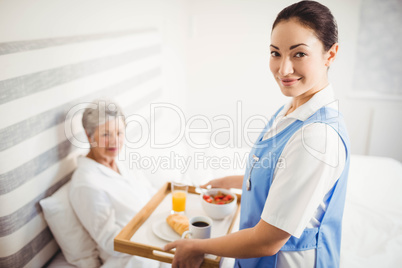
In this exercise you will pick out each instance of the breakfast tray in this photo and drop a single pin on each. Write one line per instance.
(139, 238)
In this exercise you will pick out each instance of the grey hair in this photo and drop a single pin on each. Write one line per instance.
(98, 113)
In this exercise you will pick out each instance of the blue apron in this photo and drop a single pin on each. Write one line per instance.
(264, 156)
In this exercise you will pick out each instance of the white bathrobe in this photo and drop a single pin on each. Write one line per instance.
(105, 201)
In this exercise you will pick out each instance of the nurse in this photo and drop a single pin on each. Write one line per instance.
(293, 191)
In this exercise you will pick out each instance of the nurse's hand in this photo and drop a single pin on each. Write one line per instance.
(226, 182)
(186, 254)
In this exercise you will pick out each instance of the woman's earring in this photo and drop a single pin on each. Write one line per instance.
(91, 143)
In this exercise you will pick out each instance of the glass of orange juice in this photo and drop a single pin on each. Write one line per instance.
(179, 195)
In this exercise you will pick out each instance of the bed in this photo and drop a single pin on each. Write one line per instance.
(372, 224)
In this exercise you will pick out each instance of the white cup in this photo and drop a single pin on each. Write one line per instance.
(200, 228)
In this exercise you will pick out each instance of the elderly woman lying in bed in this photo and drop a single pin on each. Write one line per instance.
(102, 193)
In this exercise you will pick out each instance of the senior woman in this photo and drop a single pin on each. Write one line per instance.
(103, 195)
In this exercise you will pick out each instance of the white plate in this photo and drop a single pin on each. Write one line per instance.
(162, 230)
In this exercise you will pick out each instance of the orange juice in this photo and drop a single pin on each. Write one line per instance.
(179, 201)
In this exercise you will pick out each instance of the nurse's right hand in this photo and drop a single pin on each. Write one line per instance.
(225, 182)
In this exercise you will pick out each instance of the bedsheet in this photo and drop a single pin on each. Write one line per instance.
(372, 223)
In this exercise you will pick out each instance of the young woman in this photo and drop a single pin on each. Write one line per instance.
(294, 187)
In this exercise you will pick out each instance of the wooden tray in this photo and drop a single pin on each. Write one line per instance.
(123, 242)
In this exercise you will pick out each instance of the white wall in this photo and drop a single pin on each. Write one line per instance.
(27, 20)
(216, 54)
(228, 61)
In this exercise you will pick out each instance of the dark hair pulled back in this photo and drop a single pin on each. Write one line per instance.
(315, 16)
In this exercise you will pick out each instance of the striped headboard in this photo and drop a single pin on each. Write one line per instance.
(40, 81)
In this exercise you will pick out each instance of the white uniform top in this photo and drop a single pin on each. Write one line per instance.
(308, 168)
(105, 201)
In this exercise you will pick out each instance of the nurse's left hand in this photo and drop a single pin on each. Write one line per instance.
(186, 254)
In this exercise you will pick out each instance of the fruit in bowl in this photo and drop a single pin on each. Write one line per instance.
(218, 203)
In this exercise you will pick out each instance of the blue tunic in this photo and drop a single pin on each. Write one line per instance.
(326, 239)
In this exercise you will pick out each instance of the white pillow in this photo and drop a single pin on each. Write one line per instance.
(76, 244)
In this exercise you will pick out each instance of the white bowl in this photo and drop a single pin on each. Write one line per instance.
(216, 211)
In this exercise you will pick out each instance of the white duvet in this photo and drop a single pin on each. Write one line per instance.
(372, 224)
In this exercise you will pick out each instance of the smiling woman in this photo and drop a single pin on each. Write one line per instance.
(304, 43)
(105, 129)
(102, 193)
(300, 68)
(291, 210)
